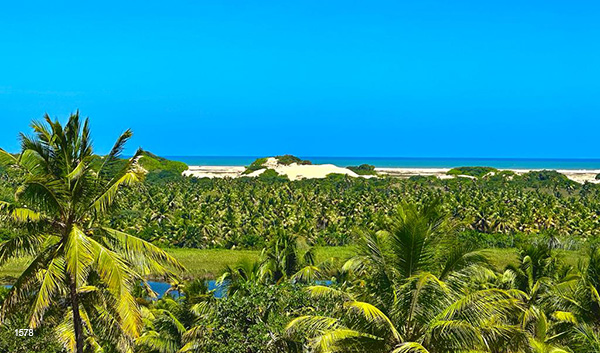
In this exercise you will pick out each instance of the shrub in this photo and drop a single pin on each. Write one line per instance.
(547, 178)
(271, 175)
(363, 169)
(288, 159)
(256, 165)
(477, 172)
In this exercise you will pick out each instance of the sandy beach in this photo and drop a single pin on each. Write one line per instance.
(295, 172)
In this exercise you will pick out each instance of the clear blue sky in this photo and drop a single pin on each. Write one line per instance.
(313, 78)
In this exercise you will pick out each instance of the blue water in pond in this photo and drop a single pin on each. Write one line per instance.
(403, 162)
(219, 291)
(161, 287)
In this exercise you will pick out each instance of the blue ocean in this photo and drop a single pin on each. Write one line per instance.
(402, 162)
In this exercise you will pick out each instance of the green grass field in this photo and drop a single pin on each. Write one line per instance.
(209, 263)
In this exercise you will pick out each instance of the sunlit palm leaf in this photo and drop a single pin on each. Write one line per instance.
(148, 258)
(79, 253)
(52, 283)
(373, 316)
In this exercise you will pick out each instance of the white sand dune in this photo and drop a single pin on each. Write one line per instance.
(318, 171)
(209, 171)
(295, 172)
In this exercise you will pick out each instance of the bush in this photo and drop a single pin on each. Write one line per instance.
(288, 159)
(256, 165)
(363, 169)
(271, 176)
(163, 176)
(477, 172)
(547, 178)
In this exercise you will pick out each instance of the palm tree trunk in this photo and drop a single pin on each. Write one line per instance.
(77, 324)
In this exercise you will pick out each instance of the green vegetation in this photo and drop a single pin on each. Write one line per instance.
(502, 263)
(256, 165)
(245, 213)
(153, 163)
(271, 176)
(364, 169)
(477, 172)
(283, 160)
(288, 159)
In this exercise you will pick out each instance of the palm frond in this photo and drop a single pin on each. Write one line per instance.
(345, 340)
(307, 274)
(46, 194)
(65, 333)
(7, 159)
(303, 326)
(118, 279)
(373, 316)
(24, 285)
(147, 258)
(27, 244)
(327, 292)
(15, 214)
(128, 175)
(104, 200)
(79, 254)
(52, 283)
(410, 347)
(158, 342)
(115, 152)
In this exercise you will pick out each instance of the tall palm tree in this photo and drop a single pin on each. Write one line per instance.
(413, 293)
(65, 193)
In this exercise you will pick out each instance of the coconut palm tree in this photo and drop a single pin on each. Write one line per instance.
(413, 295)
(79, 266)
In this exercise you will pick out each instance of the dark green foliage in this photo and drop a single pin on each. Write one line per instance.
(253, 319)
(271, 176)
(546, 176)
(42, 341)
(363, 169)
(163, 176)
(477, 172)
(288, 159)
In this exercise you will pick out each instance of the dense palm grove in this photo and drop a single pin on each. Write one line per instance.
(418, 281)
(245, 212)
